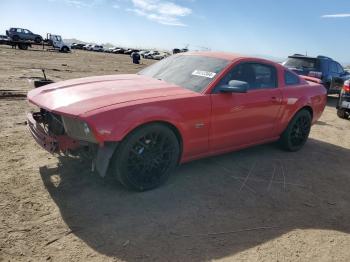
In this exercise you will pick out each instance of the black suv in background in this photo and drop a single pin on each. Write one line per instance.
(329, 71)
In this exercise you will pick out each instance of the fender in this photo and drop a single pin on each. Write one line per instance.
(190, 117)
(138, 117)
(109, 137)
(122, 121)
(293, 105)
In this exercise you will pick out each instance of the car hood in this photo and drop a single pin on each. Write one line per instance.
(78, 96)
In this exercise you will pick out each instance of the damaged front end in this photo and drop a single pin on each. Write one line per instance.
(69, 136)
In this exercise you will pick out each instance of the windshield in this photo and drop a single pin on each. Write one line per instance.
(301, 63)
(191, 72)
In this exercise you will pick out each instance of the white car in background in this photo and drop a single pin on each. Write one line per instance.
(110, 50)
(87, 47)
(96, 48)
(161, 56)
(151, 54)
(143, 52)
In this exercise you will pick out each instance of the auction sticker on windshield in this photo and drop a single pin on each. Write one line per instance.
(203, 73)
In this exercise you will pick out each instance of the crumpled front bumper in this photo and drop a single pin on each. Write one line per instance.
(46, 141)
(52, 144)
(63, 143)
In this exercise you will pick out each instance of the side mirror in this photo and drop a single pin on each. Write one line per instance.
(235, 86)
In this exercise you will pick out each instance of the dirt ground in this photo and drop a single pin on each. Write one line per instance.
(259, 204)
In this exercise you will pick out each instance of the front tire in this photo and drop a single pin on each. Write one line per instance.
(145, 158)
(64, 49)
(297, 132)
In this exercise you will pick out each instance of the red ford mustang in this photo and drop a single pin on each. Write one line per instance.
(188, 106)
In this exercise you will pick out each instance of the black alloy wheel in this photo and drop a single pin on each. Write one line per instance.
(300, 131)
(297, 132)
(145, 159)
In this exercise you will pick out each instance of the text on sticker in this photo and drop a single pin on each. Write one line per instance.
(203, 73)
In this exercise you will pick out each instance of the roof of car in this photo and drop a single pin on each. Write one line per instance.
(309, 57)
(224, 55)
(221, 55)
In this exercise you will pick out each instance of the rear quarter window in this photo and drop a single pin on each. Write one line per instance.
(291, 79)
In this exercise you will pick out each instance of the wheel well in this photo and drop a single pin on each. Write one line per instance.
(309, 109)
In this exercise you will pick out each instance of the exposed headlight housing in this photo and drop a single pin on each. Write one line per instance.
(78, 129)
(86, 129)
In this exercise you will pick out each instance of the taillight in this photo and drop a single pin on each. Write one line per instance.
(315, 74)
(346, 86)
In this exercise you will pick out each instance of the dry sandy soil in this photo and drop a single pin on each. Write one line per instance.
(259, 204)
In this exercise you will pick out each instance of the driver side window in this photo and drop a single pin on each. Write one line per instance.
(257, 75)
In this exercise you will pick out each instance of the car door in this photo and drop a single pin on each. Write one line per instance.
(336, 80)
(27, 34)
(20, 33)
(240, 119)
(57, 41)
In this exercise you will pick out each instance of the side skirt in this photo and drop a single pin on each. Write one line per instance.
(227, 150)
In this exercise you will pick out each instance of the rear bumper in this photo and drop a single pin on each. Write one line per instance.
(52, 144)
(344, 101)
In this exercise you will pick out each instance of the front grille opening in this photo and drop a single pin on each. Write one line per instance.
(52, 122)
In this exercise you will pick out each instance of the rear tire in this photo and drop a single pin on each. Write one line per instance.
(297, 132)
(22, 46)
(146, 157)
(342, 114)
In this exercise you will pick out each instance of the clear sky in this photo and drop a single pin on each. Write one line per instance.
(274, 28)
